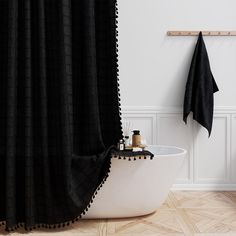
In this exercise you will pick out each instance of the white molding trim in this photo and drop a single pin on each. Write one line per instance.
(172, 109)
(151, 109)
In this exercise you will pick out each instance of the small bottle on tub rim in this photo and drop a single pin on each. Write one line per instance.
(121, 145)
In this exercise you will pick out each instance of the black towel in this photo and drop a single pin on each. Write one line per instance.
(129, 153)
(200, 88)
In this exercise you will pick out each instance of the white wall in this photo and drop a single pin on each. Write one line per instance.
(153, 73)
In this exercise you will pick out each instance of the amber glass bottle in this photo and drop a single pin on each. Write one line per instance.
(136, 138)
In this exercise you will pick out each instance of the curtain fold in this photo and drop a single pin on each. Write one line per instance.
(59, 113)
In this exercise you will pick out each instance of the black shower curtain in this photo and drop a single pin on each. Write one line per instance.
(59, 111)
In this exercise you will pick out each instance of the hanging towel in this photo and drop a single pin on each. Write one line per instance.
(200, 88)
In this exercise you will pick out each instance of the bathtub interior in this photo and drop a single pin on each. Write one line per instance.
(165, 150)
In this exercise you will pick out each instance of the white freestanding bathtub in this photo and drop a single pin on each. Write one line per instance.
(136, 188)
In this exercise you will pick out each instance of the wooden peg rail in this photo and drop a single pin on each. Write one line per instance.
(205, 33)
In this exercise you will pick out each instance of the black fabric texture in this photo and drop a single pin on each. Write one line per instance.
(200, 88)
(60, 112)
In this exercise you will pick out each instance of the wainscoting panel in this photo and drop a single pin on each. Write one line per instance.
(212, 154)
(146, 123)
(233, 149)
(172, 131)
(211, 162)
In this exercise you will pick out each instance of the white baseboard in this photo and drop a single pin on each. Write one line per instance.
(204, 187)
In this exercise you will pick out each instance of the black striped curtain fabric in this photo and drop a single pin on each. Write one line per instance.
(59, 113)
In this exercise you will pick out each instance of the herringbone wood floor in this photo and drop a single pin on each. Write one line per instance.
(183, 213)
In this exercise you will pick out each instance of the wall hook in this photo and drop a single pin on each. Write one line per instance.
(206, 33)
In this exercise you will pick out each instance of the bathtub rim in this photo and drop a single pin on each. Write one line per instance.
(182, 153)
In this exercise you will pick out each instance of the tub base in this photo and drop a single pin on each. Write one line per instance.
(137, 188)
